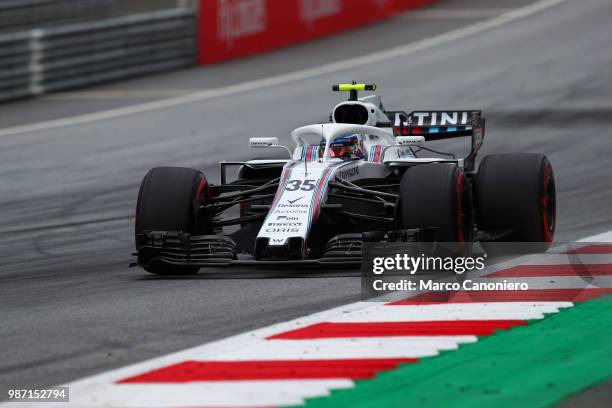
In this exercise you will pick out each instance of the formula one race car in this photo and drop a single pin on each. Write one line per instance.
(367, 175)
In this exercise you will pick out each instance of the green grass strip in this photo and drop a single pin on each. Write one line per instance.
(529, 366)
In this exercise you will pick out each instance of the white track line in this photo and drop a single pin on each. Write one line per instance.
(444, 312)
(214, 393)
(450, 13)
(322, 349)
(603, 237)
(372, 58)
(408, 347)
(117, 94)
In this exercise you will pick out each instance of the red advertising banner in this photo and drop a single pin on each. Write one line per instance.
(235, 28)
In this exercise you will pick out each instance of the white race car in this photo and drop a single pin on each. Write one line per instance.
(367, 175)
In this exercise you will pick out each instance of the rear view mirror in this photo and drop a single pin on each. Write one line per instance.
(256, 142)
(267, 142)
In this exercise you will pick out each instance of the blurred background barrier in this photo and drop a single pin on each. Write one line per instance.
(52, 45)
(68, 56)
(234, 28)
(19, 14)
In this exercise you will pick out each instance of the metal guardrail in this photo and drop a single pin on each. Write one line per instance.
(15, 14)
(38, 61)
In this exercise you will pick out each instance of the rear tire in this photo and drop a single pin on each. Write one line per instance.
(438, 195)
(517, 190)
(166, 203)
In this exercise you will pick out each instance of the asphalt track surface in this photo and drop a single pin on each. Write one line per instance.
(70, 306)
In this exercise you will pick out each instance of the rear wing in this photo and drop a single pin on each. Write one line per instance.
(440, 125)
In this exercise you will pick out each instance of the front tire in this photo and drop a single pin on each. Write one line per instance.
(166, 202)
(438, 195)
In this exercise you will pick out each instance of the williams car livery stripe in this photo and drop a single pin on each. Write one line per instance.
(310, 153)
(316, 198)
(321, 190)
(375, 153)
(283, 183)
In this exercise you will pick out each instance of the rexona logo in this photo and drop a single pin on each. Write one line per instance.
(312, 10)
(240, 18)
(292, 206)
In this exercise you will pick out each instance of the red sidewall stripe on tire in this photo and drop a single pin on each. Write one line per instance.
(201, 187)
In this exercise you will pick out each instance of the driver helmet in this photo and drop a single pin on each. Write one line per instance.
(349, 147)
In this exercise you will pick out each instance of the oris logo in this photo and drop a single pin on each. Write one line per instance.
(240, 18)
(282, 230)
(311, 10)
